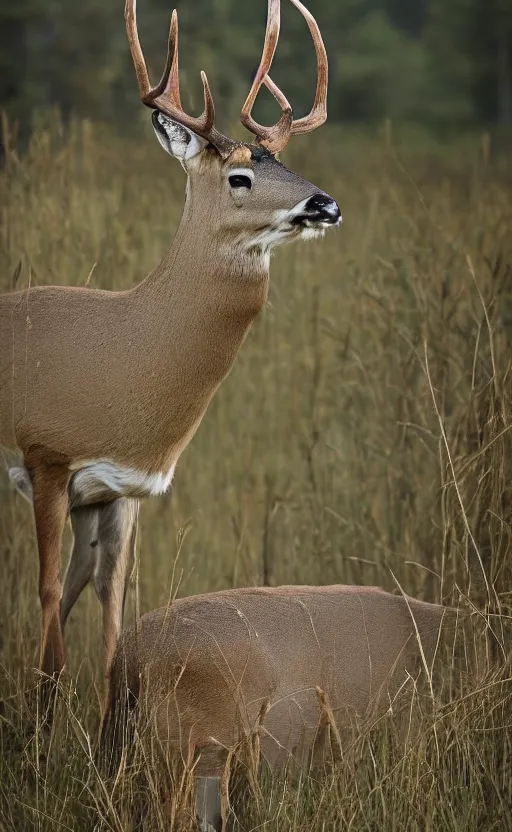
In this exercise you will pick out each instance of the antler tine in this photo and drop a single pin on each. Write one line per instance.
(135, 48)
(273, 138)
(170, 80)
(318, 113)
(166, 95)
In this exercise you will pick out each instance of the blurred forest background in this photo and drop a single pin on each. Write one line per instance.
(444, 63)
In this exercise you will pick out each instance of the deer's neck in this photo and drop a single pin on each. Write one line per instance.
(193, 313)
(203, 263)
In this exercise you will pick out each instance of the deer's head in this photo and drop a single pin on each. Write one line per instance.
(254, 202)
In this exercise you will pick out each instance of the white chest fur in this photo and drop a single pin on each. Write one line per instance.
(100, 480)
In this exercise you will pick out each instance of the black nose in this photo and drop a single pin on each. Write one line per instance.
(322, 208)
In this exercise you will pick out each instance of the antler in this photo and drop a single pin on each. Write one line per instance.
(166, 95)
(276, 137)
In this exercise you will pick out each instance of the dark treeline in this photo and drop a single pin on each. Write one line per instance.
(438, 62)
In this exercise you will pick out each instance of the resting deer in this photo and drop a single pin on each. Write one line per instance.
(292, 665)
(166, 345)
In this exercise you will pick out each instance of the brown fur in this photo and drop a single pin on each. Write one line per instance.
(205, 666)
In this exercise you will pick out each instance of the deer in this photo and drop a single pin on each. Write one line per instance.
(295, 668)
(166, 345)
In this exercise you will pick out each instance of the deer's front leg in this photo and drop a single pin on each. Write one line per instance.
(50, 484)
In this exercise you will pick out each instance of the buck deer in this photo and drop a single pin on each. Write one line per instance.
(165, 346)
(291, 666)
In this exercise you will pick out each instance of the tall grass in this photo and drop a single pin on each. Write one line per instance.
(363, 436)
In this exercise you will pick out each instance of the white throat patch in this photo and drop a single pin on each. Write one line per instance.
(101, 480)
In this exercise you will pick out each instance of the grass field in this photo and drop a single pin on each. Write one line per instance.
(362, 437)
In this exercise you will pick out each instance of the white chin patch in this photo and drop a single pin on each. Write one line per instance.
(283, 230)
(270, 237)
(310, 232)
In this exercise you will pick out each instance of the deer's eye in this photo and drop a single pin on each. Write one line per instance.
(240, 180)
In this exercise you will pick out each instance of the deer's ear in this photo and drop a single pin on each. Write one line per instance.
(176, 139)
(22, 482)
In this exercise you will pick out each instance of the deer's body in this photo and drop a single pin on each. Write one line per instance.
(204, 668)
(162, 349)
